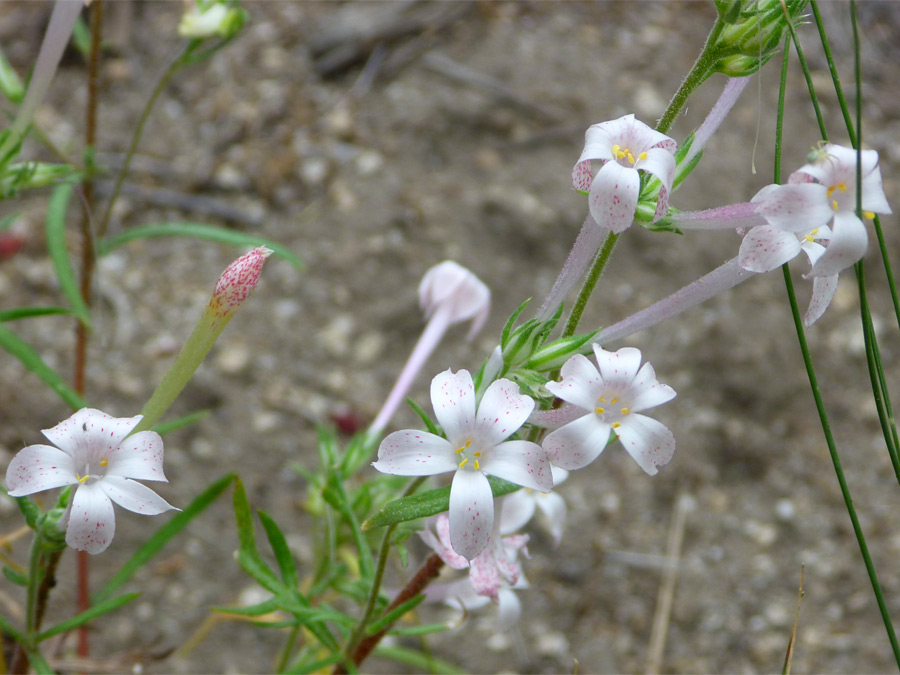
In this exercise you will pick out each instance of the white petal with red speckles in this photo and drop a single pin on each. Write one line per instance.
(580, 383)
(649, 442)
(139, 456)
(503, 409)
(92, 522)
(134, 496)
(471, 513)
(415, 453)
(617, 368)
(766, 248)
(846, 247)
(91, 432)
(520, 462)
(824, 289)
(794, 208)
(649, 391)
(453, 399)
(37, 468)
(614, 196)
(579, 443)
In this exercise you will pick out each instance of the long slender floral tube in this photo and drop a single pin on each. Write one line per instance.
(586, 246)
(449, 294)
(65, 12)
(232, 289)
(720, 110)
(720, 279)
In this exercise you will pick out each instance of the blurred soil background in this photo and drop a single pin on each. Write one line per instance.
(378, 139)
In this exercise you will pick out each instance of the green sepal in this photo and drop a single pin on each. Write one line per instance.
(30, 510)
(18, 578)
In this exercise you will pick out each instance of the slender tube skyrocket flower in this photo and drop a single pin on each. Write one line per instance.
(475, 447)
(448, 294)
(95, 453)
(608, 398)
(814, 213)
(625, 146)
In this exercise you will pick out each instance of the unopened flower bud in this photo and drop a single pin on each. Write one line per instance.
(236, 282)
(449, 287)
(211, 20)
(52, 528)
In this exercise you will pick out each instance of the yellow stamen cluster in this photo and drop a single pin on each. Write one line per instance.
(476, 454)
(82, 479)
(623, 153)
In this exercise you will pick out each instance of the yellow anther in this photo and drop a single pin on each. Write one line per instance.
(82, 479)
(459, 450)
(842, 186)
(631, 158)
(868, 214)
(475, 464)
(615, 398)
(616, 425)
(600, 411)
(103, 462)
(643, 155)
(477, 454)
(616, 149)
(809, 237)
(602, 399)
(624, 411)
(463, 463)
(834, 204)
(468, 443)
(829, 191)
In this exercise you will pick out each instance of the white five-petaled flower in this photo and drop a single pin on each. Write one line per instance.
(625, 146)
(611, 399)
(475, 447)
(95, 454)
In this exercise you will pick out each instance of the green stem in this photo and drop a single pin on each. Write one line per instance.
(35, 576)
(288, 648)
(832, 67)
(167, 76)
(804, 66)
(603, 256)
(360, 630)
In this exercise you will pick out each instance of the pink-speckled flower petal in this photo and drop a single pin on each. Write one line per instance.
(579, 443)
(90, 433)
(520, 462)
(847, 245)
(501, 412)
(613, 196)
(794, 208)
(766, 248)
(824, 289)
(485, 574)
(37, 468)
(134, 496)
(92, 522)
(453, 399)
(648, 391)
(618, 368)
(580, 383)
(582, 176)
(139, 456)
(415, 453)
(661, 163)
(649, 442)
(471, 513)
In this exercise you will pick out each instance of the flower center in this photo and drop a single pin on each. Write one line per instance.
(612, 410)
(837, 187)
(88, 474)
(467, 452)
(811, 236)
(626, 154)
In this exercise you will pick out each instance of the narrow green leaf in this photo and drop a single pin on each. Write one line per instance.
(305, 668)
(418, 660)
(280, 548)
(10, 83)
(183, 421)
(28, 312)
(427, 504)
(426, 420)
(11, 630)
(152, 546)
(80, 619)
(504, 334)
(30, 359)
(267, 607)
(424, 629)
(243, 517)
(41, 667)
(253, 564)
(56, 245)
(16, 577)
(196, 231)
(392, 616)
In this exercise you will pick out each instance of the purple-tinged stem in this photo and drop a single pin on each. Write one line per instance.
(719, 112)
(720, 279)
(724, 218)
(586, 246)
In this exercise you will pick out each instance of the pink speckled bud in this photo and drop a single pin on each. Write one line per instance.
(237, 281)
